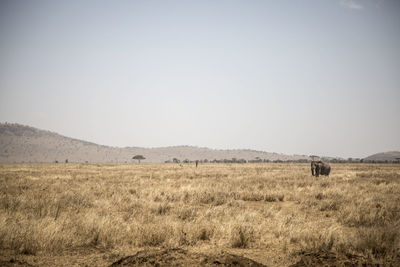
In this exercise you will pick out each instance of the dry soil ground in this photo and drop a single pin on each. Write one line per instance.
(216, 214)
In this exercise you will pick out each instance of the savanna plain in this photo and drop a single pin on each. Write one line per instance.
(275, 214)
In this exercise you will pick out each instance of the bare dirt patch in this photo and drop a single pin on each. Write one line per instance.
(14, 263)
(331, 259)
(180, 257)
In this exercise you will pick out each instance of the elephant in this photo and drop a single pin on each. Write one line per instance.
(320, 168)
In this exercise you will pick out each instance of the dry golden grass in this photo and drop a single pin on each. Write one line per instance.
(268, 212)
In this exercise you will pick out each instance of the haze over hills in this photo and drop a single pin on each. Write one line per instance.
(19, 143)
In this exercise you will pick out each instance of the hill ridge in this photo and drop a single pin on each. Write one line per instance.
(389, 156)
(23, 143)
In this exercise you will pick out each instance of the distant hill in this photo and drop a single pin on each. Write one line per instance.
(19, 143)
(384, 156)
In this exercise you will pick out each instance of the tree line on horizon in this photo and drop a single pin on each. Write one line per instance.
(259, 160)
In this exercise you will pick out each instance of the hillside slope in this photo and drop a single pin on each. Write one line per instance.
(19, 143)
(384, 156)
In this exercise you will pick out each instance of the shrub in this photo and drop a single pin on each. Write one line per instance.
(242, 236)
(270, 198)
(381, 242)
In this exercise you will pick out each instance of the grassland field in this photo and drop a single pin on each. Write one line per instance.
(275, 214)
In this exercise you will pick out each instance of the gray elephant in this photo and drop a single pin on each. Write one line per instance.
(320, 168)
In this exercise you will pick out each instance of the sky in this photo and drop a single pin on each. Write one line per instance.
(317, 77)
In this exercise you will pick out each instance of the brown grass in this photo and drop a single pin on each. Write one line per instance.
(278, 209)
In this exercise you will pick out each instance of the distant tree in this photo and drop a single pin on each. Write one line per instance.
(257, 159)
(139, 158)
(66, 161)
(175, 160)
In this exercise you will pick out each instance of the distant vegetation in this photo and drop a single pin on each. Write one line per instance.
(139, 158)
(258, 160)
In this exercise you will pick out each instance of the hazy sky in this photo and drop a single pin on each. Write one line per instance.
(291, 76)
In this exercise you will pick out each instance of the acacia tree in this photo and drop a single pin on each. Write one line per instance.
(138, 158)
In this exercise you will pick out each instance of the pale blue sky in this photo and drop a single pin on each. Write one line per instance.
(291, 76)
